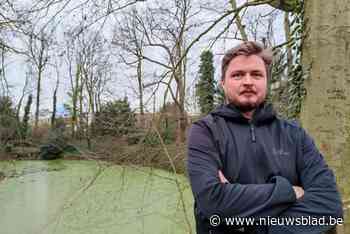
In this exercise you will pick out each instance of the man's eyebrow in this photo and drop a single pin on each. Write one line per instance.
(257, 71)
(239, 70)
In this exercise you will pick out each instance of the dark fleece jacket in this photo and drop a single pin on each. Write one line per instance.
(262, 159)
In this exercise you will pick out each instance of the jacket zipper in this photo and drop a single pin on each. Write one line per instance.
(252, 133)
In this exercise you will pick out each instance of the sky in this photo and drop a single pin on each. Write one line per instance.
(120, 85)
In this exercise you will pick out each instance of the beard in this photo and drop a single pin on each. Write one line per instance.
(246, 106)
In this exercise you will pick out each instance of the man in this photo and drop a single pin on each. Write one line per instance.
(245, 162)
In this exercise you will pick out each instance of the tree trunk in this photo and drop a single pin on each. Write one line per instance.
(180, 95)
(41, 62)
(81, 125)
(54, 105)
(326, 110)
(4, 89)
(19, 106)
(75, 92)
(37, 103)
(140, 87)
(238, 21)
(26, 117)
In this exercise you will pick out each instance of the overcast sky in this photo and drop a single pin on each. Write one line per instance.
(120, 85)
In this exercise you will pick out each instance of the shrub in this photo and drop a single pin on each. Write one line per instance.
(114, 119)
(56, 142)
(9, 124)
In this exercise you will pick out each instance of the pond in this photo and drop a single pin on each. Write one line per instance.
(89, 197)
(92, 197)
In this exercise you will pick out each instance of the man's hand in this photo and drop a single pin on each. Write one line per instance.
(222, 178)
(299, 192)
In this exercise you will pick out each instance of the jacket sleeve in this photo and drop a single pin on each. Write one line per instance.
(230, 200)
(321, 197)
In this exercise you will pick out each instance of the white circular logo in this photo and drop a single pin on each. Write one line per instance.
(215, 220)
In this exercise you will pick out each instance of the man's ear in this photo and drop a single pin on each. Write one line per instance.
(223, 87)
(222, 83)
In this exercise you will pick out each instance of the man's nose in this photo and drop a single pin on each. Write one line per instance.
(247, 79)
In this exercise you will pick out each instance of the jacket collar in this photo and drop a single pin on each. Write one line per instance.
(262, 115)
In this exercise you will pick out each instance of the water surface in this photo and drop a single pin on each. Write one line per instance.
(74, 197)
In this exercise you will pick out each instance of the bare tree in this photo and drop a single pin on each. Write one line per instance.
(4, 86)
(132, 42)
(57, 66)
(39, 56)
(89, 68)
(165, 29)
(25, 90)
(74, 71)
(168, 31)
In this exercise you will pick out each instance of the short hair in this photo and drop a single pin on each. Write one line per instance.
(247, 48)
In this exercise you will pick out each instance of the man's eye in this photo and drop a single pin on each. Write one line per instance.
(257, 75)
(236, 76)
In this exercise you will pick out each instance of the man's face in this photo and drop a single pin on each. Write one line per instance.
(245, 82)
